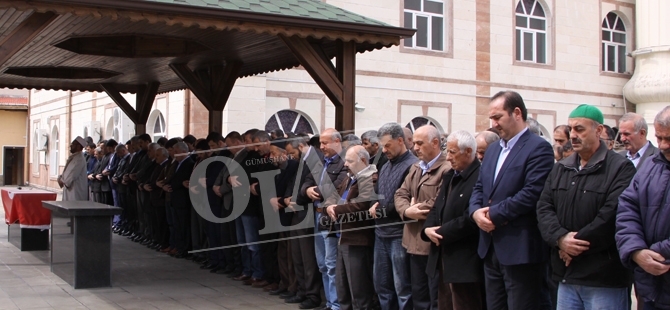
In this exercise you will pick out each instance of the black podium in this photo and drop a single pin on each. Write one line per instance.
(81, 242)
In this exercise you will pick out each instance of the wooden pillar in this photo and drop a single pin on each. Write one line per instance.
(144, 101)
(212, 86)
(338, 83)
(345, 118)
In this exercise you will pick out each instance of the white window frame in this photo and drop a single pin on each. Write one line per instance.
(54, 161)
(429, 16)
(534, 32)
(605, 55)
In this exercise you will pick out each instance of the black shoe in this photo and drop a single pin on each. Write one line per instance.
(221, 271)
(286, 295)
(199, 259)
(126, 233)
(146, 241)
(228, 270)
(183, 255)
(234, 274)
(215, 269)
(207, 266)
(308, 304)
(278, 291)
(295, 300)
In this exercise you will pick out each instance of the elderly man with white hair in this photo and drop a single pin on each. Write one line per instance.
(454, 237)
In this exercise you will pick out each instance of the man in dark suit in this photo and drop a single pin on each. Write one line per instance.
(179, 198)
(503, 204)
(633, 129)
(107, 167)
(123, 157)
(308, 277)
(158, 221)
(453, 236)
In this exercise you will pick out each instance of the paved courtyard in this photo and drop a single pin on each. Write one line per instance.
(141, 279)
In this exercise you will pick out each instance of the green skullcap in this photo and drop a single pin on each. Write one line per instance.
(588, 111)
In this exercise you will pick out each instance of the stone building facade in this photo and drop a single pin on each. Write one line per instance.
(557, 54)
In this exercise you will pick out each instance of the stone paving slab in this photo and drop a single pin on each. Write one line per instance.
(141, 279)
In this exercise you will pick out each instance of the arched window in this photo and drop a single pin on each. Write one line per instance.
(422, 121)
(290, 121)
(54, 152)
(159, 127)
(614, 44)
(531, 32)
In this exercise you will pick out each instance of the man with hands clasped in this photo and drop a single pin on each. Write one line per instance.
(576, 214)
(413, 201)
(642, 227)
(503, 206)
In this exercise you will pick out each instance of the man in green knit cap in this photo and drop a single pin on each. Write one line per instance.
(577, 213)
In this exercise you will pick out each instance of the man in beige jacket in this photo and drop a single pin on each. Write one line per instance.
(413, 201)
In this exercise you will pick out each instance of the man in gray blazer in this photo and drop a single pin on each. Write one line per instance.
(633, 129)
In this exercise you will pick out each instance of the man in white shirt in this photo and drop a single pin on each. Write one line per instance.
(633, 129)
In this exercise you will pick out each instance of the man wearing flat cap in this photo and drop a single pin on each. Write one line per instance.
(577, 213)
(73, 181)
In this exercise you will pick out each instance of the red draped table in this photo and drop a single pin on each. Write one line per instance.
(28, 222)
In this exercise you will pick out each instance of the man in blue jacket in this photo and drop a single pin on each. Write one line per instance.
(503, 207)
(643, 222)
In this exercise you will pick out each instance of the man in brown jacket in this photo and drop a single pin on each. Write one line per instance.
(413, 201)
(354, 285)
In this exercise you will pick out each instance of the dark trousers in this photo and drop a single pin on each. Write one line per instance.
(181, 219)
(355, 289)
(460, 296)
(512, 287)
(424, 286)
(285, 261)
(214, 232)
(198, 232)
(106, 198)
(269, 258)
(306, 270)
(161, 230)
(232, 256)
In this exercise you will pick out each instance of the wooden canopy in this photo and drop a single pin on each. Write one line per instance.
(154, 46)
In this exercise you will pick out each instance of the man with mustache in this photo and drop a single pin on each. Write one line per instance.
(633, 129)
(576, 215)
(642, 227)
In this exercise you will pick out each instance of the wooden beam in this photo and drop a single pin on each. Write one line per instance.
(146, 95)
(212, 86)
(345, 118)
(24, 34)
(114, 93)
(194, 83)
(144, 100)
(223, 82)
(319, 68)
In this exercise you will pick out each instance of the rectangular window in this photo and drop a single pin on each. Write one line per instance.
(427, 17)
(610, 60)
(528, 46)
